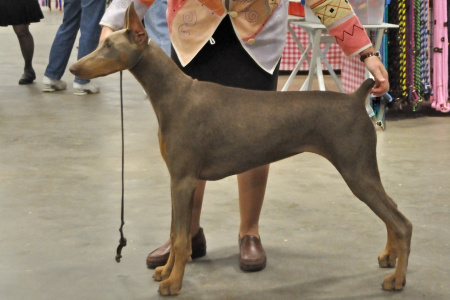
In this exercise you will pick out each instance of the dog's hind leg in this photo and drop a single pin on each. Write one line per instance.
(361, 174)
(388, 258)
(399, 230)
(370, 190)
(172, 273)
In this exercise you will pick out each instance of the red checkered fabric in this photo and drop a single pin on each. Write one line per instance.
(352, 73)
(291, 52)
(352, 70)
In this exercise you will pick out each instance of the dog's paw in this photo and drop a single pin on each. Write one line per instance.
(392, 283)
(169, 287)
(161, 273)
(387, 260)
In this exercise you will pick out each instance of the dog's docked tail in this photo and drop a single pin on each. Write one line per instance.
(364, 90)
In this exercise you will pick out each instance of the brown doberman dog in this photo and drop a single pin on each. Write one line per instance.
(208, 132)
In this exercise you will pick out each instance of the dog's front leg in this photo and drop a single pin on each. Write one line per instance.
(172, 273)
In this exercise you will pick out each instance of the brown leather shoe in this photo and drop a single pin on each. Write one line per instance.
(252, 256)
(159, 257)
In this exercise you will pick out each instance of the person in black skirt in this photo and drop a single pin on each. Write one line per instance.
(19, 14)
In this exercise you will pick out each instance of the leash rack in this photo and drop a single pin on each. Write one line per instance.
(420, 43)
(416, 57)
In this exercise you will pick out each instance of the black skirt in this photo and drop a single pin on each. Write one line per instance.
(18, 12)
(226, 62)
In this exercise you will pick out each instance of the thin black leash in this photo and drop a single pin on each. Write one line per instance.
(123, 240)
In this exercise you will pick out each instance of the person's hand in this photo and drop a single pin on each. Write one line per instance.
(378, 71)
(106, 31)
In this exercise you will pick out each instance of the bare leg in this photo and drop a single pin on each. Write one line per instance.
(197, 206)
(252, 187)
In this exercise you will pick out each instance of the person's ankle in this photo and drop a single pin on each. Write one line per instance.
(248, 231)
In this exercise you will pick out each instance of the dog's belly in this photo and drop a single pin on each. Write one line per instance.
(236, 164)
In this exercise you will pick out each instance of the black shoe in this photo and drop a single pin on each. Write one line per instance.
(27, 78)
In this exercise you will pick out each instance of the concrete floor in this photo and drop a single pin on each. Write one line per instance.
(60, 171)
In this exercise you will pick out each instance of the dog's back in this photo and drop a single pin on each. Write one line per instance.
(265, 126)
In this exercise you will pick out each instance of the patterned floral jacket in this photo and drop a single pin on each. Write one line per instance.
(260, 25)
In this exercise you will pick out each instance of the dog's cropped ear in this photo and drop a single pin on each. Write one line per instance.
(134, 25)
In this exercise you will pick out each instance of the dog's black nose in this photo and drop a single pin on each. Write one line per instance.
(73, 69)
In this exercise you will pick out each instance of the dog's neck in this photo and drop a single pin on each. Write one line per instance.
(142, 53)
(161, 78)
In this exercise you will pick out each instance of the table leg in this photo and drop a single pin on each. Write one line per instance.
(315, 36)
(302, 57)
(329, 68)
(297, 67)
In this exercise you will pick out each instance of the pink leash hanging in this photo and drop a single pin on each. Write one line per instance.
(440, 57)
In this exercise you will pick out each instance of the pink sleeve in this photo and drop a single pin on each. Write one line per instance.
(342, 23)
(351, 36)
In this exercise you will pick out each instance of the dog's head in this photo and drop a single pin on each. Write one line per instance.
(119, 51)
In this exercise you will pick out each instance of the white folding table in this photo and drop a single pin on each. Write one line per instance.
(315, 33)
